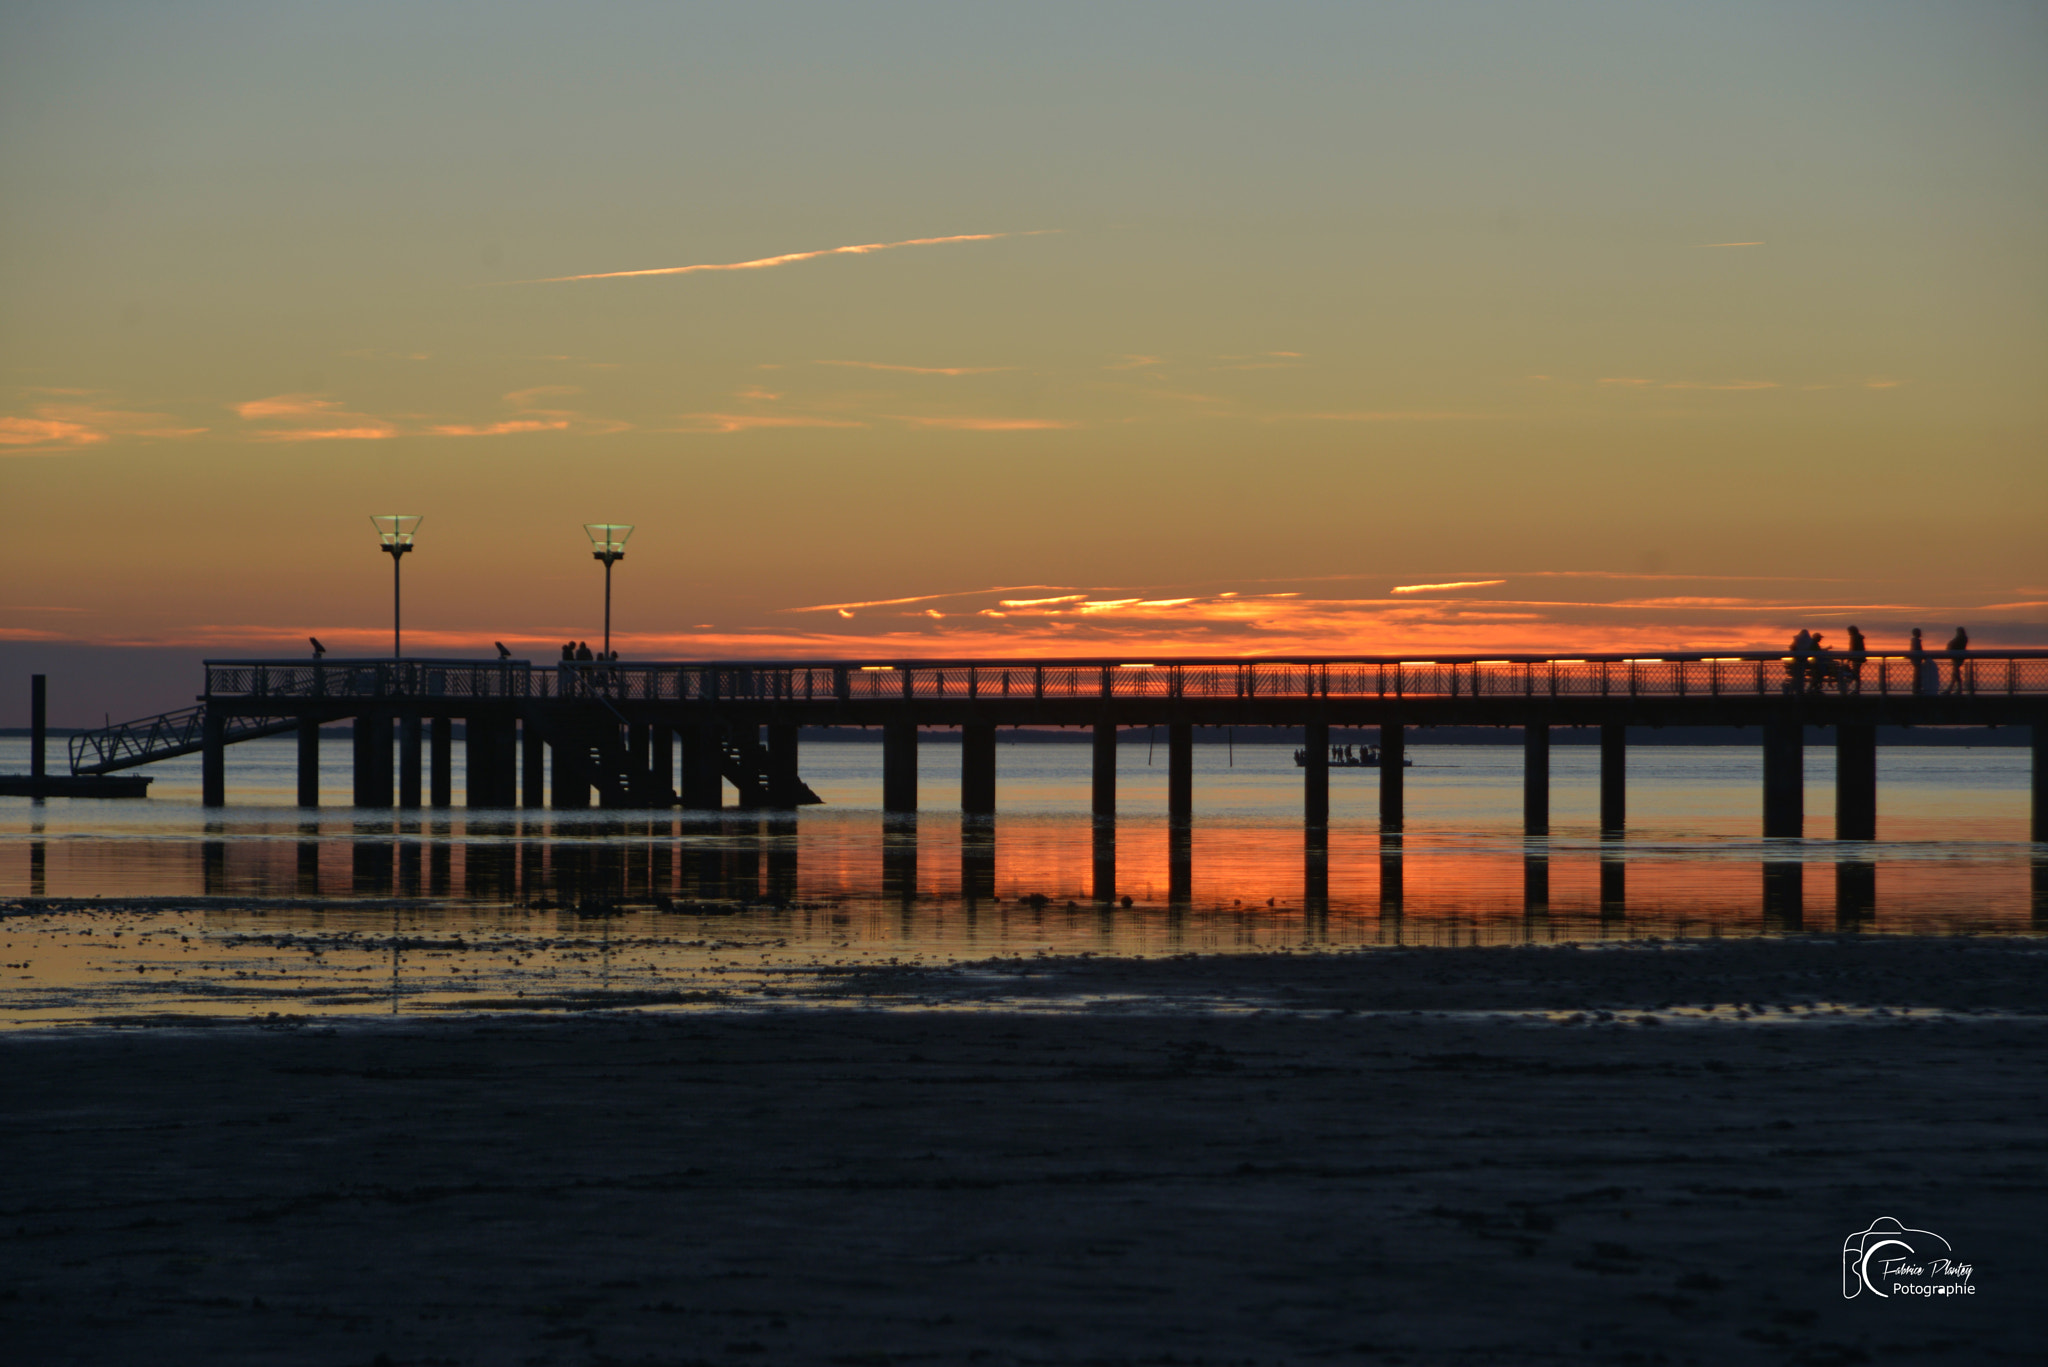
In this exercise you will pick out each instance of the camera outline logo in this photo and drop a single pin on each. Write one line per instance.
(1904, 1257)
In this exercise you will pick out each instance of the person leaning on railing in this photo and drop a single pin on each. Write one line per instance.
(1958, 644)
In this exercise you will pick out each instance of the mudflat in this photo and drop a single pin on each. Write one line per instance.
(1640, 1153)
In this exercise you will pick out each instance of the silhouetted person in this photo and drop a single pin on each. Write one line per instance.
(1926, 673)
(1957, 645)
(1857, 654)
(1802, 653)
(583, 651)
(569, 650)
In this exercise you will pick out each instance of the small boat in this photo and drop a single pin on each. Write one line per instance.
(1351, 757)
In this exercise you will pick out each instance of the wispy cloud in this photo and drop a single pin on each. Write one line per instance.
(923, 369)
(74, 426)
(1454, 584)
(965, 424)
(1728, 244)
(1380, 416)
(746, 422)
(508, 427)
(313, 417)
(1731, 385)
(787, 258)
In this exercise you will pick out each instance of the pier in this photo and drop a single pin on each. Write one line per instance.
(652, 734)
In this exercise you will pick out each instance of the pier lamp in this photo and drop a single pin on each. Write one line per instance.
(394, 536)
(608, 543)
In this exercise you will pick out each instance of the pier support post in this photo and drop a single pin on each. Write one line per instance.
(1180, 863)
(1784, 897)
(533, 764)
(1613, 777)
(1855, 892)
(441, 763)
(703, 786)
(1784, 780)
(1180, 773)
(978, 769)
(1102, 788)
(39, 726)
(977, 856)
(309, 761)
(1315, 774)
(1855, 782)
(2040, 813)
(782, 765)
(899, 766)
(1393, 764)
(213, 761)
(1535, 780)
(480, 769)
(409, 760)
(373, 759)
(661, 757)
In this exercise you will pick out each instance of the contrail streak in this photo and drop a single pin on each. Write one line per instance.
(858, 249)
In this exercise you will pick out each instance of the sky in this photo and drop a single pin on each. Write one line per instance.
(1084, 330)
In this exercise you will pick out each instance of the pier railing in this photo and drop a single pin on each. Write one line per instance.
(1827, 674)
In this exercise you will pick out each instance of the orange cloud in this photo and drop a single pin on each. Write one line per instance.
(500, 429)
(1456, 584)
(742, 422)
(285, 406)
(924, 369)
(367, 432)
(1391, 416)
(989, 424)
(788, 258)
(70, 426)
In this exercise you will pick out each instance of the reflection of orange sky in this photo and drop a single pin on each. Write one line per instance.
(1236, 869)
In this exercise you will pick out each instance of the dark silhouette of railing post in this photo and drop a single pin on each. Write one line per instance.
(1784, 779)
(1393, 764)
(309, 761)
(978, 769)
(1855, 782)
(1315, 774)
(1535, 780)
(1613, 777)
(441, 763)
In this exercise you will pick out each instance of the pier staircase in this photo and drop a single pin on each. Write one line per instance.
(124, 745)
(748, 766)
(620, 780)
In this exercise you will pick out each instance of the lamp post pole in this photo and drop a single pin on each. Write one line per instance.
(608, 544)
(394, 536)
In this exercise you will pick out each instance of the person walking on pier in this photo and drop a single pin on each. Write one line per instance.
(1857, 655)
(1926, 673)
(1957, 645)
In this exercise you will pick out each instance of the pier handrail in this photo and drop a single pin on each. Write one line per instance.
(1664, 674)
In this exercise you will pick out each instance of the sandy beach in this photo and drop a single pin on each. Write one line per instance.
(1484, 1156)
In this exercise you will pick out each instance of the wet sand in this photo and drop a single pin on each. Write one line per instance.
(1455, 1156)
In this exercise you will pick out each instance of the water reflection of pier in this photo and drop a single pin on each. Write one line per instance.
(740, 859)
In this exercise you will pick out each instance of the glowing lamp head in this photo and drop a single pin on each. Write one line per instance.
(608, 539)
(395, 531)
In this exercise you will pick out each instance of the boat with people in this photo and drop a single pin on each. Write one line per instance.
(1350, 757)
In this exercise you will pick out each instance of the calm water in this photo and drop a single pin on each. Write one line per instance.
(257, 909)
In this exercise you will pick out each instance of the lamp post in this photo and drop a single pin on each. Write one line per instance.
(394, 535)
(608, 543)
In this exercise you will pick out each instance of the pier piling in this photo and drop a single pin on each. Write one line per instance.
(1613, 777)
(441, 762)
(1535, 780)
(1855, 782)
(1784, 780)
(1393, 763)
(309, 761)
(409, 727)
(899, 766)
(1102, 791)
(1180, 773)
(978, 769)
(1315, 774)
